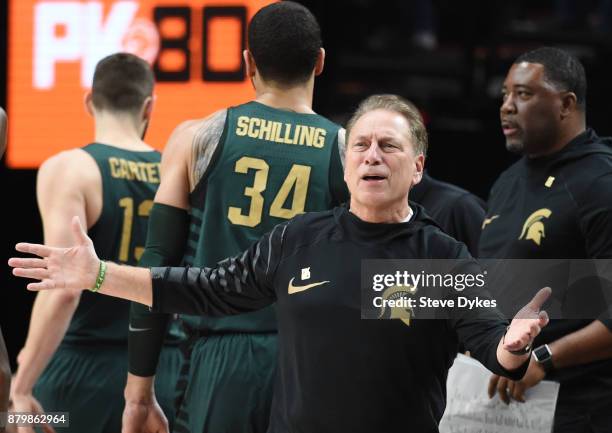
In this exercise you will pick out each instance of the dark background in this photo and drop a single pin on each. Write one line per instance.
(371, 48)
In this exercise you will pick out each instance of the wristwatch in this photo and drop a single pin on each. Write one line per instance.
(543, 355)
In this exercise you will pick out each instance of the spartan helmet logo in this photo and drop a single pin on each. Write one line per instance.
(402, 313)
(534, 227)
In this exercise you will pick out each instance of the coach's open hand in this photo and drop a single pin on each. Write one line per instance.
(528, 322)
(77, 267)
(73, 268)
(525, 326)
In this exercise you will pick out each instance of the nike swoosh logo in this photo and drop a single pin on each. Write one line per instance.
(132, 329)
(295, 289)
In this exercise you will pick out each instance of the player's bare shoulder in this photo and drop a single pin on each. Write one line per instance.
(205, 135)
(74, 165)
(71, 175)
(191, 146)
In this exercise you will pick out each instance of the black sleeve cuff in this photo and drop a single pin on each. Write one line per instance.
(491, 362)
(517, 373)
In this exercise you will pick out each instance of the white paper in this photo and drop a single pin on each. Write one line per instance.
(469, 409)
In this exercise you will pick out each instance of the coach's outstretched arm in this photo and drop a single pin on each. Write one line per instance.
(237, 285)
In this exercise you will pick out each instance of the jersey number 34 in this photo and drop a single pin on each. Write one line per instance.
(296, 180)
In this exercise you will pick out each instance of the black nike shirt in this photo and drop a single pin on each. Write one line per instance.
(558, 207)
(336, 372)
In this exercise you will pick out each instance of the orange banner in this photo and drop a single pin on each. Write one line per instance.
(194, 46)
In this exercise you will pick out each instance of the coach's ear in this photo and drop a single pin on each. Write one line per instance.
(87, 100)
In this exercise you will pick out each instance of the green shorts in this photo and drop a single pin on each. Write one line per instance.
(226, 384)
(88, 382)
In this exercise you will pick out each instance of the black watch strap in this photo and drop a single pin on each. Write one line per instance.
(524, 351)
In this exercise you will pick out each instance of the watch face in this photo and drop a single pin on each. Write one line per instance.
(542, 353)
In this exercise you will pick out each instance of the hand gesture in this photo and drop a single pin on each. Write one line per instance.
(73, 268)
(527, 323)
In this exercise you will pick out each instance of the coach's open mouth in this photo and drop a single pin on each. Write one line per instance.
(373, 178)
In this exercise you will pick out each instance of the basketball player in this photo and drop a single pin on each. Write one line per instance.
(228, 179)
(74, 358)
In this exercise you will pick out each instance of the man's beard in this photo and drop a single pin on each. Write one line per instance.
(515, 147)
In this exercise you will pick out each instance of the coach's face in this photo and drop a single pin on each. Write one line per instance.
(381, 162)
(530, 111)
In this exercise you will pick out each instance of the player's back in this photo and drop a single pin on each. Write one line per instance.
(269, 166)
(129, 181)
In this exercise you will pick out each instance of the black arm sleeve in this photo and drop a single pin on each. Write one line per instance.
(236, 285)
(481, 329)
(163, 247)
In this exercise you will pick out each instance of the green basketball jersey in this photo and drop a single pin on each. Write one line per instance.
(129, 182)
(269, 165)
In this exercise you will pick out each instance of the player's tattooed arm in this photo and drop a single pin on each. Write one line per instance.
(206, 137)
(186, 157)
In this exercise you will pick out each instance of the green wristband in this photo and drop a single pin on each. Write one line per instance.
(100, 277)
